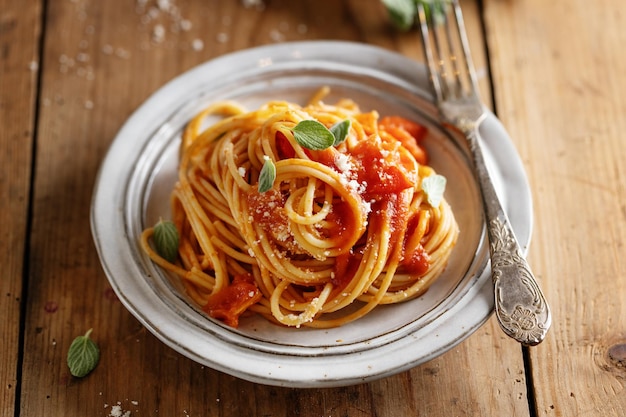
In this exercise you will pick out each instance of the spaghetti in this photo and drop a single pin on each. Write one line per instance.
(339, 230)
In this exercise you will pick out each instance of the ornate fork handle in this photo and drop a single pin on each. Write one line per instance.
(520, 306)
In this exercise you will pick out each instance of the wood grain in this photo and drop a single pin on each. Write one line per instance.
(561, 95)
(106, 58)
(558, 87)
(19, 44)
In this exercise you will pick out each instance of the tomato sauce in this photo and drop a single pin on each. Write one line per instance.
(381, 171)
(230, 302)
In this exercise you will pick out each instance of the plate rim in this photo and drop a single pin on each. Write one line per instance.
(283, 374)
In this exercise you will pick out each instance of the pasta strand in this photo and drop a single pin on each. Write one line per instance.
(345, 226)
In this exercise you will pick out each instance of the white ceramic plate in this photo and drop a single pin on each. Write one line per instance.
(137, 175)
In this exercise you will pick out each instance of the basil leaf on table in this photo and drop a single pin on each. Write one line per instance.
(402, 13)
(83, 355)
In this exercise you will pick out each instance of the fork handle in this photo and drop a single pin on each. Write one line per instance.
(520, 306)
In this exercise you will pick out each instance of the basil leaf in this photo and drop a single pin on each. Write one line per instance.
(83, 355)
(267, 176)
(434, 187)
(166, 240)
(401, 12)
(340, 131)
(436, 8)
(313, 135)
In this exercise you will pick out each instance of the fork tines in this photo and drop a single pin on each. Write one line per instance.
(446, 48)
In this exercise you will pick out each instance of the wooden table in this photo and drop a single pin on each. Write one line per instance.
(72, 71)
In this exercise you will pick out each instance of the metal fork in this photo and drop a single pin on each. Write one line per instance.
(520, 306)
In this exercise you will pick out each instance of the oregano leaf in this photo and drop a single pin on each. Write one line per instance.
(401, 12)
(435, 9)
(267, 176)
(83, 355)
(434, 187)
(166, 240)
(313, 135)
(340, 131)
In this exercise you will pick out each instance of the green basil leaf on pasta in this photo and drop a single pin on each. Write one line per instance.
(166, 240)
(340, 131)
(434, 187)
(83, 355)
(313, 135)
(267, 176)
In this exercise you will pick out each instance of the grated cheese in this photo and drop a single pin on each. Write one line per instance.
(158, 33)
(258, 4)
(117, 411)
(342, 161)
(197, 45)
(222, 37)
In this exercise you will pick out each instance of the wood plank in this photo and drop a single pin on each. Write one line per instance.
(102, 60)
(562, 99)
(19, 46)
